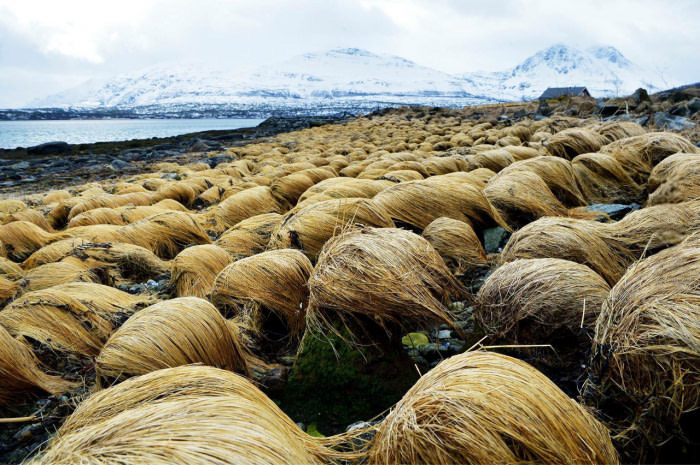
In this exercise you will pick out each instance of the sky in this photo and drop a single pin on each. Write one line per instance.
(50, 45)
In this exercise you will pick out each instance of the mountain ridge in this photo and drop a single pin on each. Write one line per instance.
(353, 76)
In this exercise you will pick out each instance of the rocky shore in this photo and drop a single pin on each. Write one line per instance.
(58, 164)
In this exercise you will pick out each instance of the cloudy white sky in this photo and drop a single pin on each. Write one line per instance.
(49, 45)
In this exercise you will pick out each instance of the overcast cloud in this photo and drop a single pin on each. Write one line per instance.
(48, 45)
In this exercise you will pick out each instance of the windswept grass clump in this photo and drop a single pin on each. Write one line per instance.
(602, 179)
(190, 415)
(520, 197)
(243, 205)
(639, 154)
(457, 244)
(250, 236)
(574, 141)
(557, 173)
(485, 408)
(193, 271)
(646, 350)
(418, 203)
(165, 234)
(586, 242)
(20, 373)
(387, 276)
(171, 333)
(74, 318)
(53, 274)
(267, 293)
(22, 238)
(676, 179)
(309, 228)
(527, 301)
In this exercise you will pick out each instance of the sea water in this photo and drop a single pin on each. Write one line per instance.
(28, 133)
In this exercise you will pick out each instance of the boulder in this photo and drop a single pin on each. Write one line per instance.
(49, 148)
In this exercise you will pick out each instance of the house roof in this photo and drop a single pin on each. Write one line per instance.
(554, 92)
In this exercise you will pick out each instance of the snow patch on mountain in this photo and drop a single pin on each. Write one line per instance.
(351, 77)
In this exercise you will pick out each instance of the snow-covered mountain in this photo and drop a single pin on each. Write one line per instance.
(351, 77)
(342, 74)
(603, 70)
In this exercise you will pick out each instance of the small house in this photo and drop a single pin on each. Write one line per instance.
(555, 92)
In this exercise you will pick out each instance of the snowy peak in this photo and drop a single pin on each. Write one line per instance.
(603, 70)
(558, 57)
(610, 54)
(336, 76)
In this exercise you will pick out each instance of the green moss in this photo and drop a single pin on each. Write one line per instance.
(333, 385)
(414, 339)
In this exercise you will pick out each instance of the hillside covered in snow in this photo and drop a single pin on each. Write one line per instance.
(354, 79)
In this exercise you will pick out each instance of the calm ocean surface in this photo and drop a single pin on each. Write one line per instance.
(27, 133)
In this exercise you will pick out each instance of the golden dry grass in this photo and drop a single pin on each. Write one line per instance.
(53, 274)
(250, 236)
(675, 179)
(308, 229)
(243, 205)
(75, 318)
(168, 334)
(457, 244)
(485, 408)
(418, 203)
(574, 141)
(602, 179)
(586, 242)
(525, 301)
(193, 271)
(267, 286)
(22, 238)
(387, 276)
(520, 197)
(20, 373)
(646, 349)
(204, 415)
(165, 234)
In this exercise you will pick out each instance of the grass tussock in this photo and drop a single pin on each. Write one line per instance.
(457, 244)
(418, 203)
(557, 173)
(574, 141)
(74, 318)
(266, 291)
(10, 270)
(110, 201)
(520, 197)
(243, 205)
(22, 238)
(309, 228)
(168, 334)
(586, 242)
(20, 373)
(639, 154)
(526, 301)
(602, 179)
(288, 189)
(388, 276)
(485, 408)
(193, 271)
(185, 408)
(53, 274)
(165, 234)
(31, 216)
(250, 236)
(647, 347)
(676, 179)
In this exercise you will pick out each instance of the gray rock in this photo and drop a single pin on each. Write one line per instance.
(118, 164)
(358, 425)
(171, 176)
(429, 349)
(495, 239)
(694, 106)
(444, 334)
(199, 146)
(49, 148)
(214, 161)
(668, 121)
(613, 210)
(642, 120)
(23, 165)
(640, 95)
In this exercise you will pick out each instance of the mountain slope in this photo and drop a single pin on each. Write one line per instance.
(603, 70)
(357, 79)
